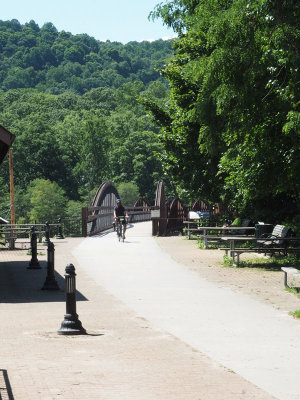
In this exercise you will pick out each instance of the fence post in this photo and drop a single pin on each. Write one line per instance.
(50, 282)
(11, 243)
(84, 221)
(34, 262)
(59, 230)
(47, 233)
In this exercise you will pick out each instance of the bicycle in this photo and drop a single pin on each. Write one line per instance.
(120, 228)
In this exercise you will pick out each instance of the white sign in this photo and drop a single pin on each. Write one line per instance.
(155, 213)
(198, 214)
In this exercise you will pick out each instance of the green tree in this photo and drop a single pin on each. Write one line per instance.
(231, 127)
(47, 201)
(128, 192)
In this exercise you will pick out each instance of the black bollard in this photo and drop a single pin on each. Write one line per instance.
(59, 230)
(34, 262)
(50, 282)
(71, 324)
(47, 233)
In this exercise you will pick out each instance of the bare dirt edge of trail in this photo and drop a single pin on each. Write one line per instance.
(260, 284)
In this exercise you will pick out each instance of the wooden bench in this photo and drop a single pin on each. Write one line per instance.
(260, 250)
(243, 249)
(276, 238)
(290, 271)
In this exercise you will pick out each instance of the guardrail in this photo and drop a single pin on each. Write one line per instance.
(99, 219)
(9, 233)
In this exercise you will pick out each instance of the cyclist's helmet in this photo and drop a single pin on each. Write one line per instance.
(118, 201)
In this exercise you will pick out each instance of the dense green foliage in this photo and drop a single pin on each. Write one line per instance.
(231, 128)
(52, 61)
(72, 103)
(128, 192)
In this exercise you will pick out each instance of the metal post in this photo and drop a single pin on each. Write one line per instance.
(84, 220)
(204, 240)
(71, 325)
(285, 279)
(47, 233)
(12, 195)
(11, 242)
(34, 262)
(59, 230)
(50, 282)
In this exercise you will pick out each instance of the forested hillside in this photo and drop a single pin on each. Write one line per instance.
(55, 62)
(72, 103)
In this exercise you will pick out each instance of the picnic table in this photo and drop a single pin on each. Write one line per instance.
(205, 236)
(235, 253)
(232, 240)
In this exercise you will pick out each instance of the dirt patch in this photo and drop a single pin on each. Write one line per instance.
(260, 284)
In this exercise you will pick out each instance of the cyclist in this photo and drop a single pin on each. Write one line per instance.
(120, 211)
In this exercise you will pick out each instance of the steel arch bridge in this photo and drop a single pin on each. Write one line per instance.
(99, 217)
(169, 217)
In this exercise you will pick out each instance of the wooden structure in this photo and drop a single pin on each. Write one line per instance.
(159, 224)
(6, 141)
(200, 205)
(176, 214)
(171, 213)
(167, 215)
(99, 217)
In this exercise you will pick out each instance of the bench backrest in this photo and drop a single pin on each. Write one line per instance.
(280, 231)
(245, 223)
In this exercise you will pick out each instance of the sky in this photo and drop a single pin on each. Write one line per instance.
(115, 20)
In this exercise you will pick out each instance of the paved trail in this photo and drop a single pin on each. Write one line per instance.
(253, 339)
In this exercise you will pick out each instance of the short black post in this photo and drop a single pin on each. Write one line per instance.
(47, 233)
(34, 262)
(59, 230)
(50, 282)
(40, 235)
(71, 324)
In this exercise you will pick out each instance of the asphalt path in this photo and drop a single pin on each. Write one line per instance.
(254, 340)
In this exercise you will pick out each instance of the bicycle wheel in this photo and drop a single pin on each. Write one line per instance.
(120, 231)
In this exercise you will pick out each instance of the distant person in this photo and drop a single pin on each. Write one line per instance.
(120, 211)
(236, 222)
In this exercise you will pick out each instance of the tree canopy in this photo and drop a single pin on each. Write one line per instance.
(52, 61)
(230, 130)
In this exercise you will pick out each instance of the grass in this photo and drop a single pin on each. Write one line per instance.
(210, 245)
(200, 244)
(295, 314)
(271, 263)
(292, 290)
(227, 261)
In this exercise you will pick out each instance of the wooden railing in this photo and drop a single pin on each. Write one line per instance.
(99, 219)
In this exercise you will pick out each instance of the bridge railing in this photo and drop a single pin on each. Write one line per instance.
(99, 219)
(139, 214)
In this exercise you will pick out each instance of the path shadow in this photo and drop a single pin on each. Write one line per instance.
(21, 285)
(5, 388)
(107, 232)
